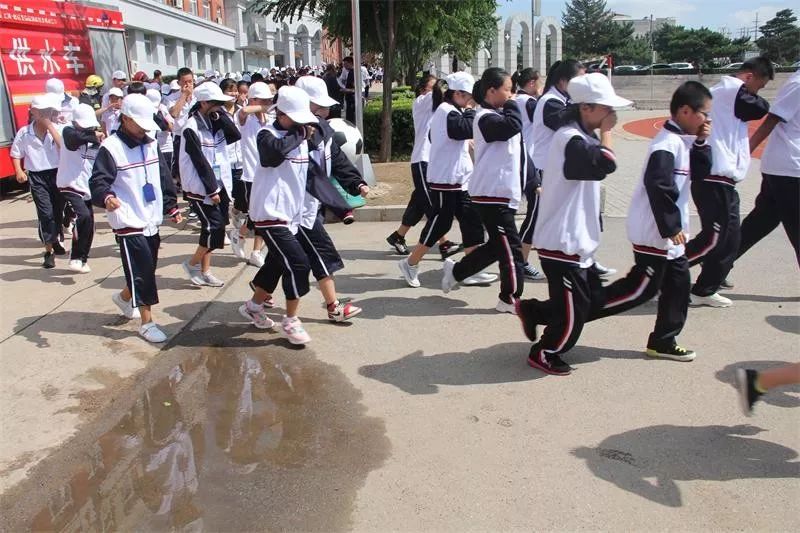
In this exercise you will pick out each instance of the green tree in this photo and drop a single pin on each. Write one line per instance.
(780, 39)
(403, 34)
(701, 45)
(589, 29)
(634, 51)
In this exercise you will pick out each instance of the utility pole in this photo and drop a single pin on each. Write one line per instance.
(755, 30)
(357, 77)
(652, 56)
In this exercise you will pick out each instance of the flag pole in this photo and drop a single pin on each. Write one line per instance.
(357, 78)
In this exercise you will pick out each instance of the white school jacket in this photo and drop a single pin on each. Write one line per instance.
(496, 177)
(75, 168)
(729, 139)
(278, 193)
(663, 193)
(422, 111)
(542, 135)
(450, 165)
(215, 151)
(522, 100)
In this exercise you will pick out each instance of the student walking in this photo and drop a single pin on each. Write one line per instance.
(495, 189)
(527, 97)
(420, 202)
(736, 102)
(658, 226)
(448, 177)
(206, 176)
(567, 233)
(779, 199)
(251, 119)
(38, 145)
(753, 384)
(129, 181)
(81, 141)
(276, 206)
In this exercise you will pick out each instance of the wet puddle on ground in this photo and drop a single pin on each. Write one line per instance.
(225, 439)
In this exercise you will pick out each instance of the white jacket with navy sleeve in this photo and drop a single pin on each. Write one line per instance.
(450, 165)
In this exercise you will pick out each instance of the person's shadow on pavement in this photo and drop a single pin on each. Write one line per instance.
(672, 453)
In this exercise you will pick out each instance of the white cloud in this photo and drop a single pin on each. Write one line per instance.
(644, 8)
(747, 17)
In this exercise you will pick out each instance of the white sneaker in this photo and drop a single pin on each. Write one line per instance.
(211, 280)
(194, 272)
(151, 333)
(76, 265)
(713, 300)
(293, 330)
(227, 240)
(602, 271)
(125, 307)
(257, 315)
(256, 259)
(237, 244)
(410, 273)
(481, 278)
(448, 280)
(504, 307)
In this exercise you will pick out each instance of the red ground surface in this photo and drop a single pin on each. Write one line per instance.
(648, 127)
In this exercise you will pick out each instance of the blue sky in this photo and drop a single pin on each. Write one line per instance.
(713, 14)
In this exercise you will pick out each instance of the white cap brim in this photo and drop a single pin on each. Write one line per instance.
(89, 123)
(146, 123)
(325, 101)
(616, 101)
(303, 117)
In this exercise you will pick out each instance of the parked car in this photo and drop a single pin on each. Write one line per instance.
(657, 66)
(681, 66)
(796, 64)
(625, 68)
(733, 66)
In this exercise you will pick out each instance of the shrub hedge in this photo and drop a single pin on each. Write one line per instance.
(402, 127)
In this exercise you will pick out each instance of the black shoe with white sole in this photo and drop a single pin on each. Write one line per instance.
(398, 242)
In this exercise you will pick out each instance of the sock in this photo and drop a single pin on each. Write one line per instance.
(253, 305)
(332, 306)
(757, 386)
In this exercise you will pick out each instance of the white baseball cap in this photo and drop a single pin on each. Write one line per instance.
(139, 108)
(259, 90)
(594, 88)
(46, 101)
(208, 74)
(317, 90)
(54, 86)
(174, 86)
(84, 116)
(154, 96)
(295, 104)
(119, 75)
(209, 92)
(246, 77)
(460, 81)
(115, 91)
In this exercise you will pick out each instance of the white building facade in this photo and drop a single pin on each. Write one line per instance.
(263, 42)
(163, 35)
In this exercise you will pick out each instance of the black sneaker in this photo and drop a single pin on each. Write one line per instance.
(398, 242)
(526, 312)
(49, 260)
(746, 385)
(674, 352)
(552, 364)
(448, 248)
(58, 249)
(727, 285)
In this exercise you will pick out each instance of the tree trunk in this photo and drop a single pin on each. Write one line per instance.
(411, 76)
(385, 153)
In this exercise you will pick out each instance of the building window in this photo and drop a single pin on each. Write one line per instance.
(187, 55)
(219, 15)
(193, 7)
(149, 47)
(171, 51)
(207, 9)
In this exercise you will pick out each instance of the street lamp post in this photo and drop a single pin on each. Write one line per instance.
(357, 78)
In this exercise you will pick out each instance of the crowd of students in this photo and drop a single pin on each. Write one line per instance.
(259, 157)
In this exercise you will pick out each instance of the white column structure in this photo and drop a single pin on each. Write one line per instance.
(289, 59)
(207, 64)
(547, 26)
(193, 56)
(161, 50)
(305, 43)
(221, 63)
(179, 57)
(139, 52)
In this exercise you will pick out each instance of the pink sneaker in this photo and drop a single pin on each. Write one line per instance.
(342, 311)
(294, 331)
(256, 315)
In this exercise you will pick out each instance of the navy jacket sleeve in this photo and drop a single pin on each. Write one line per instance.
(160, 121)
(530, 107)
(459, 125)
(700, 161)
(195, 152)
(659, 182)
(584, 161)
(228, 127)
(104, 172)
(501, 127)
(345, 172)
(168, 192)
(749, 106)
(553, 113)
(272, 150)
(75, 138)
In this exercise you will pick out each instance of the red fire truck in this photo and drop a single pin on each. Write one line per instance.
(41, 39)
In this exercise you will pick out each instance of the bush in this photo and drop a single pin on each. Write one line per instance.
(402, 127)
